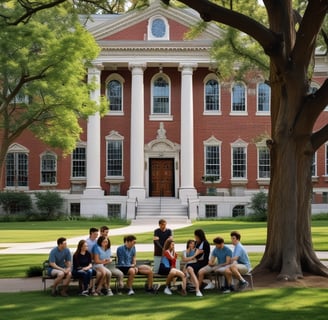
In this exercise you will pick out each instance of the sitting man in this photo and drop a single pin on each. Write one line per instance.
(223, 255)
(60, 262)
(239, 266)
(126, 262)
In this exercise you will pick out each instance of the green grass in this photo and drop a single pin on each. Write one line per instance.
(270, 304)
(39, 231)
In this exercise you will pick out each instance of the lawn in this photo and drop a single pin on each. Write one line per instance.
(270, 304)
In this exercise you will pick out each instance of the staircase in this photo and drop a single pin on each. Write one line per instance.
(151, 210)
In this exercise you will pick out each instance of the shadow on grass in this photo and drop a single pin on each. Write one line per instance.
(287, 303)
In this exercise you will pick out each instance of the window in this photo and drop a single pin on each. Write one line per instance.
(327, 159)
(114, 95)
(263, 162)
(212, 95)
(263, 97)
(158, 28)
(75, 209)
(114, 210)
(238, 162)
(161, 96)
(212, 161)
(314, 166)
(114, 158)
(211, 210)
(238, 98)
(238, 211)
(79, 163)
(16, 169)
(48, 168)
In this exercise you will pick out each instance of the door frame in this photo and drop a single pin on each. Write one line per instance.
(162, 148)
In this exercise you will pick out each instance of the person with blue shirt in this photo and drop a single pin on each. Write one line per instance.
(239, 266)
(219, 261)
(60, 263)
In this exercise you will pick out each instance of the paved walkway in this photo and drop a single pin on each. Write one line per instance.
(35, 284)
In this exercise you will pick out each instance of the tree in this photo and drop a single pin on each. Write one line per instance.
(43, 66)
(289, 41)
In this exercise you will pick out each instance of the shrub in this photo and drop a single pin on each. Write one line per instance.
(34, 271)
(259, 207)
(49, 203)
(15, 202)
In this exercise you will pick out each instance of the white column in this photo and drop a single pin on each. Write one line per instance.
(137, 183)
(187, 189)
(90, 201)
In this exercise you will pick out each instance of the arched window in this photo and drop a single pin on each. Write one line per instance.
(212, 95)
(161, 96)
(238, 97)
(114, 95)
(263, 97)
(238, 210)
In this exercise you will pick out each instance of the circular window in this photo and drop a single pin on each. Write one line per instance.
(158, 28)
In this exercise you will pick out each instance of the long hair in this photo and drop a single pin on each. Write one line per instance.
(79, 247)
(100, 240)
(200, 234)
(167, 244)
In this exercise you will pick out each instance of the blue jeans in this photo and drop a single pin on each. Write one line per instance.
(86, 276)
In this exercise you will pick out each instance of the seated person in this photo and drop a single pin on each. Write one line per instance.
(222, 254)
(126, 262)
(82, 268)
(60, 261)
(240, 264)
(168, 267)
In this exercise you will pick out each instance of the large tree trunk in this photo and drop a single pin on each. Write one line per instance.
(289, 249)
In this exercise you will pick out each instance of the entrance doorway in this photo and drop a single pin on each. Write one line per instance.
(161, 177)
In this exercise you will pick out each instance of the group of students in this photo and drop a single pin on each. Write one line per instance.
(92, 263)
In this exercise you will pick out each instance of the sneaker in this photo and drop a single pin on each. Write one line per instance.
(243, 285)
(167, 291)
(131, 292)
(156, 286)
(109, 293)
(199, 294)
(226, 290)
(84, 293)
(210, 286)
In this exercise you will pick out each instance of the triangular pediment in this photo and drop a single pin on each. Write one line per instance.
(111, 27)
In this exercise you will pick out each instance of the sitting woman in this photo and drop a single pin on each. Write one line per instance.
(101, 257)
(82, 268)
(168, 267)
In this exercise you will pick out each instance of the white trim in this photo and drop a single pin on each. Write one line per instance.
(265, 112)
(161, 116)
(150, 35)
(121, 80)
(233, 112)
(212, 76)
(114, 136)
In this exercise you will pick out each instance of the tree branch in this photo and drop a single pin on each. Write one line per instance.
(270, 42)
(320, 137)
(307, 34)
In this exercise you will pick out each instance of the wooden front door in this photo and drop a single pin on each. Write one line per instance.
(161, 178)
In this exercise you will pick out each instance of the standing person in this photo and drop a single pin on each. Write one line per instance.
(92, 240)
(104, 231)
(240, 264)
(161, 234)
(127, 263)
(202, 254)
(60, 262)
(82, 267)
(222, 254)
(101, 257)
(168, 267)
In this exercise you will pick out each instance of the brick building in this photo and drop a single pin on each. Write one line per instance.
(176, 141)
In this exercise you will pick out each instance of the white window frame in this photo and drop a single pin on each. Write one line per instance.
(114, 136)
(239, 144)
(45, 154)
(158, 116)
(83, 178)
(17, 149)
(262, 146)
(120, 79)
(209, 77)
(260, 112)
(166, 35)
(212, 141)
(238, 112)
